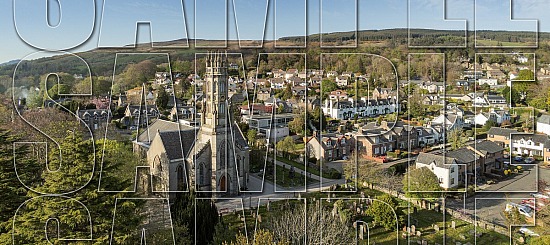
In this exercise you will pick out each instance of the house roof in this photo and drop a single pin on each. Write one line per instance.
(488, 146)
(544, 119)
(462, 155)
(439, 160)
(501, 131)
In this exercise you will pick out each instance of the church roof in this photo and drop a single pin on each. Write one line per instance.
(171, 141)
(159, 125)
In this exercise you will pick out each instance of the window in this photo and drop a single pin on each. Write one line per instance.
(452, 181)
(440, 180)
(452, 169)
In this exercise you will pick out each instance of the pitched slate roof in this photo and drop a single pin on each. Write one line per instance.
(544, 119)
(462, 155)
(177, 143)
(439, 160)
(159, 125)
(488, 146)
(501, 131)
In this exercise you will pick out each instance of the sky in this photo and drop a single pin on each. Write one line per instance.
(79, 25)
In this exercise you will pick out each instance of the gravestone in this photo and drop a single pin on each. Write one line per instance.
(521, 240)
(361, 232)
(259, 218)
(413, 229)
(424, 242)
(436, 228)
(418, 233)
(408, 229)
(453, 224)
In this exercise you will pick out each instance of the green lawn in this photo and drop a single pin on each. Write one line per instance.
(301, 166)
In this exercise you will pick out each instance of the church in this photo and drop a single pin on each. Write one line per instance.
(212, 158)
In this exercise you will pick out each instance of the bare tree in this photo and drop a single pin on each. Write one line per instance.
(314, 226)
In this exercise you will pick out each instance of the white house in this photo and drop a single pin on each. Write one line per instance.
(529, 144)
(488, 81)
(497, 116)
(543, 124)
(342, 109)
(445, 168)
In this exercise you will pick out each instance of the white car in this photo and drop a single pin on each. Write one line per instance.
(523, 209)
(529, 160)
(524, 230)
(541, 196)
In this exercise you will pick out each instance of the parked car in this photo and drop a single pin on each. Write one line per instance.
(525, 231)
(518, 159)
(540, 196)
(530, 160)
(523, 209)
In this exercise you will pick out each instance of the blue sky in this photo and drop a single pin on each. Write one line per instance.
(78, 29)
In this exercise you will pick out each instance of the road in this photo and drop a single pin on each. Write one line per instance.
(490, 204)
(263, 190)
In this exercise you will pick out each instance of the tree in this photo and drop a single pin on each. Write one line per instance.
(328, 86)
(489, 124)
(513, 217)
(511, 95)
(384, 212)
(421, 183)
(12, 193)
(261, 237)
(525, 75)
(185, 207)
(297, 124)
(286, 145)
(416, 108)
(291, 224)
(456, 138)
(75, 170)
(251, 136)
(162, 99)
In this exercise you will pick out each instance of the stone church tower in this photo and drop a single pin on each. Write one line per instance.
(219, 157)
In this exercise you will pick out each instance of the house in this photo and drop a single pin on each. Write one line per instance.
(332, 74)
(342, 109)
(491, 153)
(488, 81)
(342, 81)
(496, 74)
(497, 116)
(496, 101)
(469, 165)
(501, 136)
(445, 168)
(451, 118)
(330, 147)
(338, 95)
(274, 127)
(543, 124)
(432, 100)
(94, 119)
(382, 93)
(531, 145)
(139, 115)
